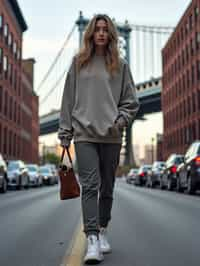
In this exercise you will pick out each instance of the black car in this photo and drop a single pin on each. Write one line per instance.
(169, 176)
(189, 171)
(47, 175)
(155, 174)
(3, 175)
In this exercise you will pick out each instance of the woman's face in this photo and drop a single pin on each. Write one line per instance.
(101, 33)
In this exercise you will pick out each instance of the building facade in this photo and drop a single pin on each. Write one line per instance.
(181, 83)
(13, 129)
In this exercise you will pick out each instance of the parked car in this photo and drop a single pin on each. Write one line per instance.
(169, 177)
(54, 171)
(155, 173)
(188, 172)
(130, 178)
(3, 175)
(35, 178)
(47, 175)
(18, 174)
(143, 172)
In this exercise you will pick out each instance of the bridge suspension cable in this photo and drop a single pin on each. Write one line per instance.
(56, 58)
(152, 29)
(44, 99)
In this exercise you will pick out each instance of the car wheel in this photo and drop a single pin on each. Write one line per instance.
(178, 186)
(19, 186)
(190, 186)
(169, 185)
(3, 189)
(161, 185)
(27, 183)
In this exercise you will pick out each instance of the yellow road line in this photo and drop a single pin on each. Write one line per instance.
(75, 252)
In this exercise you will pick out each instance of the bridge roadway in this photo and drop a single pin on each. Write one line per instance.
(150, 100)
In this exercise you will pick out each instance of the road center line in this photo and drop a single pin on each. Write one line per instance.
(74, 254)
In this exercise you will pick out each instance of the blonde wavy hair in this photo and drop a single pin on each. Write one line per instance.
(88, 49)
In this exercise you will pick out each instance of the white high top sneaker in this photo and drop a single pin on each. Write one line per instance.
(104, 245)
(94, 254)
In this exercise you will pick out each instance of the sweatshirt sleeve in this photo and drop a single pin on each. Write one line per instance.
(65, 131)
(129, 103)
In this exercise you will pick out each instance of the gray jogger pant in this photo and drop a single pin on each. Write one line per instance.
(97, 163)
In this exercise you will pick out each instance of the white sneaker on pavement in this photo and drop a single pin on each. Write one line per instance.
(104, 244)
(93, 254)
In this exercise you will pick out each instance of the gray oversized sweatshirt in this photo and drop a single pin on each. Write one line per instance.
(95, 106)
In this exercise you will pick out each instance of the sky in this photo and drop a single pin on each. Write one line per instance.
(49, 22)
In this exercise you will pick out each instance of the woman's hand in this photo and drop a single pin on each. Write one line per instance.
(65, 143)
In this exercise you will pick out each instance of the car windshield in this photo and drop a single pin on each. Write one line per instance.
(13, 166)
(32, 168)
(159, 164)
(179, 160)
(44, 170)
(146, 168)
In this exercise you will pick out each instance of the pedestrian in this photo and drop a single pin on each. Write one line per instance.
(99, 101)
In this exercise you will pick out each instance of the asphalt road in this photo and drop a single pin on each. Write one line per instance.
(148, 228)
(36, 228)
(154, 228)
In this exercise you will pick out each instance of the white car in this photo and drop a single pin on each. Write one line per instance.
(3, 175)
(35, 178)
(18, 174)
(131, 176)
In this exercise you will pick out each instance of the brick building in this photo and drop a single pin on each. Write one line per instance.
(29, 114)
(181, 83)
(16, 137)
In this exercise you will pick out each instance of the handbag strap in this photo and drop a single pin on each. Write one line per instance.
(68, 153)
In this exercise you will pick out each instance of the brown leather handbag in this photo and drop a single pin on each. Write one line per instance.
(69, 186)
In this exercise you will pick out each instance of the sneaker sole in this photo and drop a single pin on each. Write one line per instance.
(93, 260)
(107, 251)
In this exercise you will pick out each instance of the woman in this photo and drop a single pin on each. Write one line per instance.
(99, 100)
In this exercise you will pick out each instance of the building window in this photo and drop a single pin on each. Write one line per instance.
(197, 40)
(6, 32)
(196, 13)
(198, 70)
(193, 74)
(1, 24)
(5, 103)
(10, 142)
(198, 101)
(14, 145)
(0, 137)
(18, 118)
(1, 98)
(5, 65)
(11, 108)
(193, 102)
(10, 39)
(1, 60)
(14, 47)
(18, 54)
(15, 79)
(15, 112)
(11, 74)
(5, 141)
